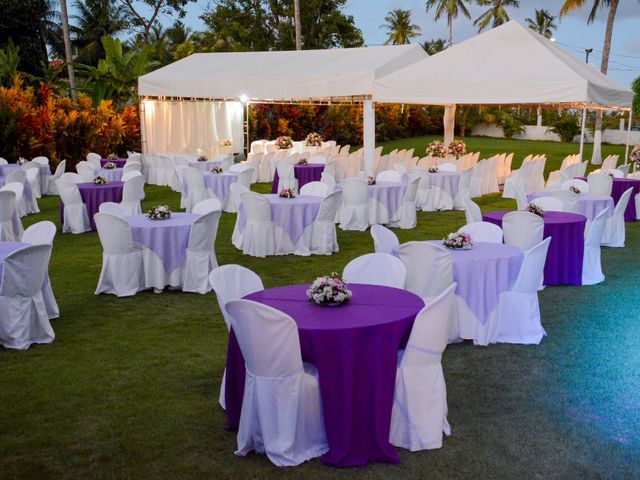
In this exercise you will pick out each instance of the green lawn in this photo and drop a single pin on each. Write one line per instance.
(129, 388)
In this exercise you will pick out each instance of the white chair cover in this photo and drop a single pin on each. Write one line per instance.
(328, 180)
(201, 254)
(7, 214)
(472, 211)
(429, 268)
(570, 200)
(75, 218)
(600, 184)
(614, 230)
(376, 269)
(406, 215)
(71, 177)
(385, 241)
(132, 195)
(281, 408)
(523, 230)
(483, 232)
(354, 214)
(286, 177)
(422, 197)
(579, 184)
(206, 206)
(323, 237)
(258, 238)
(316, 189)
(464, 189)
(43, 233)
(389, 176)
(196, 188)
(52, 188)
(591, 265)
(94, 159)
(112, 208)
(86, 171)
(32, 173)
(549, 204)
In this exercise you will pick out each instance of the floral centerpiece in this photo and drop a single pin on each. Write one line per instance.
(225, 142)
(574, 189)
(458, 241)
(535, 209)
(109, 166)
(314, 139)
(112, 156)
(216, 169)
(203, 158)
(284, 142)
(100, 180)
(286, 193)
(329, 290)
(433, 170)
(436, 149)
(635, 157)
(159, 212)
(302, 161)
(457, 148)
(22, 161)
(371, 181)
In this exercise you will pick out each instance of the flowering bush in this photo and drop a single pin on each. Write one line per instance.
(436, 149)
(286, 193)
(329, 290)
(284, 142)
(535, 209)
(458, 240)
(457, 148)
(99, 180)
(314, 139)
(371, 181)
(159, 212)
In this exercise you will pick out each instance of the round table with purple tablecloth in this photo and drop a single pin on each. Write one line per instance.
(94, 195)
(385, 199)
(619, 186)
(111, 174)
(355, 349)
(445, 182)
(205, 166)
(119, 162)
(220, 183)
(311, 172)
(589, 204)
(566, 250)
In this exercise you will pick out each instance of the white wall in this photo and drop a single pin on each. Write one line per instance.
(532, 132)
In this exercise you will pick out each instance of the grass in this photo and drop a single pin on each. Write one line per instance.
(129, 388)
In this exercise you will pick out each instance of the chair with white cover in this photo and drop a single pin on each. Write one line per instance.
(75, 218)
(42, 160)
(422, 195)
(196, 188)
(464, 189)
(482, 232)
(286, 176)
(32, 174)
(376, 269)
(112, 208)
(591, 264)
(18, 194)
(226, 163)
(23, 314)
(7, 214)
(323, 239)
(94, 159)
(201, 254)
(610, 162)
(122, 267)
(429, 268)
(318, 159)
(624, 170)
(86, 171)
(523, 177)
(475, 182)
(354, 214)
(522, 230)
(72, 177)
(447, 167)
(570, 200)
(281, 408)
(600, 184)
(581, 185)
(406, 215)
(132, 195)
(548, 204)
(316, 189)
(132, 167)
(518, 309)
(43, 233)
(206, 206)
(245, 178)
(419, 415)
(385, 241)
(614, 230)
(258, 238)
(328, 180)
(388, 176)
(237, 190)
(130, 175)
(472, 211)
(51, 185)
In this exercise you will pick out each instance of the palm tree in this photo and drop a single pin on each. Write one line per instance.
(450, 8)
(67, 48)
(94, 20)
(496, 15)
(298, 26)
(542, 23)
(434, 45)
(400, 30)
(570, 5)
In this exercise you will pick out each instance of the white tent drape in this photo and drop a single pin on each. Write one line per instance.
(184, 126)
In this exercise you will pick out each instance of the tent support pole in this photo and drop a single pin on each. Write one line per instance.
(583, 125)
(245, 125)
(626, 149)
(369, 135)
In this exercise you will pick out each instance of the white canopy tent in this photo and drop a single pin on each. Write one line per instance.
(327, 76)
(507, 65)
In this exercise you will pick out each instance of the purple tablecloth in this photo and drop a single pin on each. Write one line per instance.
(620, 185)
(311, 172)
(293, 215)
(7, 248)
(566, 250)
(94, 195)
(166, 238)
(205, 166)
(113, 175)
(483, 273)
(220, 183)
(446, 181)
(390, 195)
(354, 348)
(120, 162)
(589, 204)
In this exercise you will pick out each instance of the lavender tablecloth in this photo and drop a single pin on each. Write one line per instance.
(566, 250)
(7, 248)
(168, 239)
(120, 162)
(446, 181)
(220, 183)
(388, 195)
(589, 204)
(311, 172)
(621, 185)
(483, 273)
(113, 174)
(94, 195)
(293, 215)
(354, 348)
(205, 166)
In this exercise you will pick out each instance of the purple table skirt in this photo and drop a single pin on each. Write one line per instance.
(446, 181)
(7, 248)
(620, 185)
(168, 239)
(94, 195)
(566, 250)
(120, 162)
(311, 172)
(354, 348)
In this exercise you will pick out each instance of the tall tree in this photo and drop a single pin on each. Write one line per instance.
(68, 55)
(542, 22)
(451, 9)
(570, 5)
(298, 25)
(399, 28)
(434, 45)
(496, 14)
(138, 9)
(94, 20)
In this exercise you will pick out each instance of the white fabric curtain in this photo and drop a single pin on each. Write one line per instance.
(190, 126)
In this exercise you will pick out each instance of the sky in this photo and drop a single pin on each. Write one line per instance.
(573, 33)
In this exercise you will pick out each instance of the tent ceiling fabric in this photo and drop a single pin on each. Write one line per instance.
(286, 76)
(506, 65)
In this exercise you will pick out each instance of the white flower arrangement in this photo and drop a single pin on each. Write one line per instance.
(329, 290)
(314, 139)
(159, 212)
(371, 181)
(433, 170)
(574, 189)
(100, 180)
(112, 156)
(458, 241)
(302, 161)
(436, 149)
(286, 193)
(635, 156)
(216, 169)
(457, 148)
(535, 209)
(22, 161)
(225, 142)
(284, 142)
(109, 166)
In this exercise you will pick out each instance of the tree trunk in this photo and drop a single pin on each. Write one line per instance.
(67, 48)
(296, 16)
(596, 158)
(450, 22)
